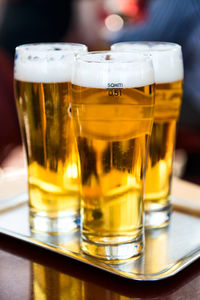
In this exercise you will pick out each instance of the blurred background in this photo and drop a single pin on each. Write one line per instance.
(99, 23)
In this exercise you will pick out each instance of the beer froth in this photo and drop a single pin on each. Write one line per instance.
(167, 58)
(103, 73)
(46, 63)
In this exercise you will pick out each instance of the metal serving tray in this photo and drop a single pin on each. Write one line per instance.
(167, 251)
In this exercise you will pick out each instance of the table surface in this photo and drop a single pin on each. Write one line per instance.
(29, 272)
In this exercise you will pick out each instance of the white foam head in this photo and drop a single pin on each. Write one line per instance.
(51, 62)
(106, 69)
(167, 58)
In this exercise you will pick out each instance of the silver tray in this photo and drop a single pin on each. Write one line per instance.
(167, 251)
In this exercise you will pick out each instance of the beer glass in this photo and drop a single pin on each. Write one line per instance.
(168, 68)
(42, 76)
(112, 110)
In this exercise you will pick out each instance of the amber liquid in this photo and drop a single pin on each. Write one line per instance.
(51, 149)
(159, 164)
(113, 129)
(49, 284)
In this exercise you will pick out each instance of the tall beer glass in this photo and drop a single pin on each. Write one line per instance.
(43, 94)
(112, 110)
(168, 67)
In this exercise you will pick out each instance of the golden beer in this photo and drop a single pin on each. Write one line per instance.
(168, 68)
(160, 157)
(43, 96)
(48, 283)
(50, 144)
(112, 126)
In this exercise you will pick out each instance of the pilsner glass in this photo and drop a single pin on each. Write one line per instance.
(43, 91)
(168, 68)
(112, 110)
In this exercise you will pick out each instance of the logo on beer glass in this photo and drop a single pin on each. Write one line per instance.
(115, 89)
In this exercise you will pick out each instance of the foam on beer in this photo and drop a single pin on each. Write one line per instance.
(46, 63)
(167, 58)
(113, 70)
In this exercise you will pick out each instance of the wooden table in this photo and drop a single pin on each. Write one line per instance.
(28, 272)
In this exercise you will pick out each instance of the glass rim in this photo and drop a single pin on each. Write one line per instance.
(152, 46)
(51, 47)
(88, 57)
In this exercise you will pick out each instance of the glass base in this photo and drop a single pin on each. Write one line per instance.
(158, 218)
(113, 252)
(59, 225)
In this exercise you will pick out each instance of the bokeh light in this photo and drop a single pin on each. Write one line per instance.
(114, 22)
